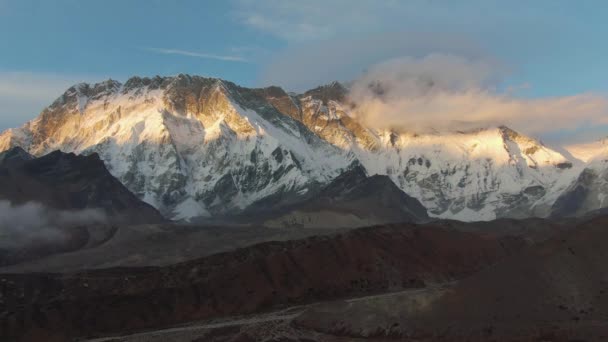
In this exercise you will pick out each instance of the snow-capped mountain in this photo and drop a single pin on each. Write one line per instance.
(194, 146)
(589, 191)
(474, 175)
(190, 146)
(480, 175)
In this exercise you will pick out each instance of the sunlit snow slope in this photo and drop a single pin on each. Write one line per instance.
(194, 146)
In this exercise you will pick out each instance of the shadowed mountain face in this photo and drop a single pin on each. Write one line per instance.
(71, 183)
(586, 194)
(554, 291)
(14, 155)
(260, 277)
(354, 200)
(66, 182)
(60, 203)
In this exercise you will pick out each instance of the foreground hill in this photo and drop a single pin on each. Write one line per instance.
(352, 200)
(198, 147)
(555, 291)
(404, 283)
(63, 181)
(60, 202)
(59, 307)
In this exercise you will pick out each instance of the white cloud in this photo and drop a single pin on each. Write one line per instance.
(345, 39)
(196, 54)
(446, 92)
(308, 65)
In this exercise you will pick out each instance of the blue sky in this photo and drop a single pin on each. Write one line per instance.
(543, 48)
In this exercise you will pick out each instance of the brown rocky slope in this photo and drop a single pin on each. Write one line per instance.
(554, 291)
(57, 307)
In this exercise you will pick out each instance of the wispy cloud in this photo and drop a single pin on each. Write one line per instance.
(305, 66)
(227, 58)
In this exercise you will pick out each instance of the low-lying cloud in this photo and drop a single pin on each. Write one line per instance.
(30, 222)
(446, 91)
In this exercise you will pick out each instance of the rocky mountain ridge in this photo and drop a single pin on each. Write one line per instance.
(353, 199)
(202, 147)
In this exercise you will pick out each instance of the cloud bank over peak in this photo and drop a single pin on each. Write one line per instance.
(434, 73)
(447, 92)
(388, 40)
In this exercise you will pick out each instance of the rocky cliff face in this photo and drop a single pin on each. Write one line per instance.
(67, 182)
(587, 192)
(353, 200)
(200, 147)
(189, 146)
(14, 155)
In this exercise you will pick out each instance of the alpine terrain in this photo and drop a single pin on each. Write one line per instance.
(203, 148)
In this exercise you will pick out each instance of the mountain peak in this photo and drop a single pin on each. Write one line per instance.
(94, 90)
(333, 91)
(137, 83)
(194, 146)
(15, 154)
(349, 179)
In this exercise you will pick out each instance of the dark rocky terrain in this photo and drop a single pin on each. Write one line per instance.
(554, 291)
(298, 271)
(551, 290)
(58, 197)
(249, 280)
(69, 183)
(106, 246)
(14, 155)
(65, 181)
(352, 200)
